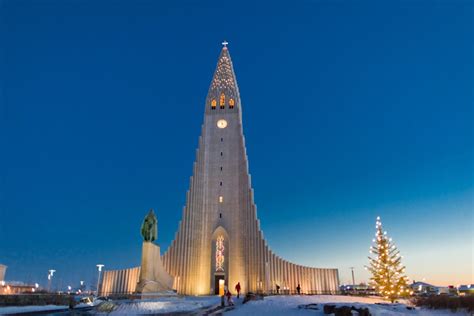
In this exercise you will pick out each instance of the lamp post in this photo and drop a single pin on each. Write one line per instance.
(50, 277)
(99, 267)
(353, 279)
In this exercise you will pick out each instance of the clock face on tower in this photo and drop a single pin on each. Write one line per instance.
(222, 123)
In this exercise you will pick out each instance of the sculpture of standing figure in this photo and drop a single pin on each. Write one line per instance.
(150, 227)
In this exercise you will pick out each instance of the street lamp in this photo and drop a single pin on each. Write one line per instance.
(50, 276)
(353, 279)
(99, 267)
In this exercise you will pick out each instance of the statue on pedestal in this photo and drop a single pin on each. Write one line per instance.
(153, 276)
(150, 227)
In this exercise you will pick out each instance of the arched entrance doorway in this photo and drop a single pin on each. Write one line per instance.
(219, 260)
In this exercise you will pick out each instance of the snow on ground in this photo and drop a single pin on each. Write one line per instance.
(165, 305)
(288, 305)
(29, 309)
(271, 305)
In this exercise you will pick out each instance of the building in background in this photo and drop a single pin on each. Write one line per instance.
(466, 289)
(420, 288)
(16, 287)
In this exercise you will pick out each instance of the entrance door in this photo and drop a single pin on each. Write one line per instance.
(219, 283)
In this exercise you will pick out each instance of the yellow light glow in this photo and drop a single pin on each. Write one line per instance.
(222, 101)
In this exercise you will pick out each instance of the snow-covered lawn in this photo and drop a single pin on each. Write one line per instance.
(29, 309)
(288, 305)
(271, 305)
(165, 305)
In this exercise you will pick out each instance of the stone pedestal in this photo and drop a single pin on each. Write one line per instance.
(153, 276)
(3, 269)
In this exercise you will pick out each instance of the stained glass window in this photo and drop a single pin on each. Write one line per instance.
(220, 253)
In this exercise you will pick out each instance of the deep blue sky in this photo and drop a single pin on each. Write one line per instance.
(352, 109)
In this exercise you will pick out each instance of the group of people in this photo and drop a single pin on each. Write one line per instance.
(298, 289)
(227, 294)
(230, 302)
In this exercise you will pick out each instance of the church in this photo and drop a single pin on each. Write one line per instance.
(219, 241)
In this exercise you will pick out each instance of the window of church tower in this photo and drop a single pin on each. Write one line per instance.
(222, 101)
(221, 199)
(220, 253)
(231, 103)
(213, 104)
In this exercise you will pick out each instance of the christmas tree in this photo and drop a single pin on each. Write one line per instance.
(387, 270)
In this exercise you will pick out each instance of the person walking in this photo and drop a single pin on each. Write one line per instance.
(298, 289)
(278, 289)
(230, 302)
(237, 288)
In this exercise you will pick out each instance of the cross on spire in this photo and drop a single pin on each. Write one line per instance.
(225, 43)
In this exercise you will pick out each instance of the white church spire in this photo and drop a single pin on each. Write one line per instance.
(223, 92)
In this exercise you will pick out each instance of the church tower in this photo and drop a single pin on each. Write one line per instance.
(219, 240)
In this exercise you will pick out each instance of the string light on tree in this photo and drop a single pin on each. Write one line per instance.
(386, 267)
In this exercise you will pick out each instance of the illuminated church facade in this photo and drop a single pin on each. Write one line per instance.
(219, 241)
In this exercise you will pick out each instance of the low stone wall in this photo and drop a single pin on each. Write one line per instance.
(36, 299)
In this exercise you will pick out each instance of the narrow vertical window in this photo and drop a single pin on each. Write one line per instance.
(220, 253)
(221, 199)
(220, 183)
(231, 103)
(222, 101)
(213, 104)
